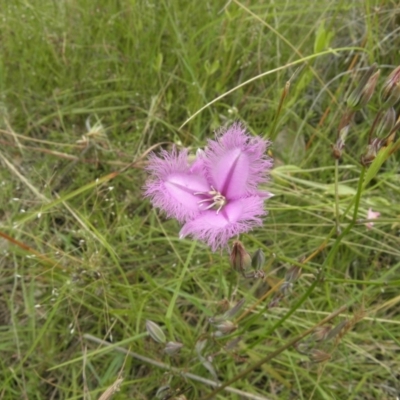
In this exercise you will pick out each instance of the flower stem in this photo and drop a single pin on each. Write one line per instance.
(338, 230)
(358, 195)
(284, 94)
(349, 227)
(274, 354)
(303, 298)
(171, 306)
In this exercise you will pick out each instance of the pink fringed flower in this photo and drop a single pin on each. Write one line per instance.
(371, 215)
(217, 196)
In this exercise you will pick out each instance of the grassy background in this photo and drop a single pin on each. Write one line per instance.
(87, 88)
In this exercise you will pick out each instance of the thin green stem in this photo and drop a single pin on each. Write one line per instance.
(303, 298)
(332, 251)
(170, 310)
(274, 354)
(349, 227)
(337, 217)
(358, 196)
(278, 112)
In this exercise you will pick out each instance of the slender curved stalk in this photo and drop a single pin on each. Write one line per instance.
(272, 355)
(350, 226)
(337, 217)
(175, 370)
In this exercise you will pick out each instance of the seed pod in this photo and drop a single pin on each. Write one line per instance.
(318, 356)
(258, 259)
(337, 148)
(155, 332)
(386, 123)
(372, 151)
(172, 348)
(286, 288)
(321, 333)
(240, 259)
(390, 93)
(293, 274)
(226, 327)
(235, 309)
(362, 94)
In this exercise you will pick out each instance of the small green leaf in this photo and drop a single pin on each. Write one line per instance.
(158, 62)
(322, 38)
(343, 190)
(211, 68)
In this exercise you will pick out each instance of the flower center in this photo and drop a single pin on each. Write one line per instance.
(216, 199)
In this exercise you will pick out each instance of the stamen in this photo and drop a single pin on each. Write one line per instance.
(217, 199)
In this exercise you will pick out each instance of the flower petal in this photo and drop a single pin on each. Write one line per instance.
(236, 162)
(173, 184)
(182, 187)
(236, 217)
(372, 215)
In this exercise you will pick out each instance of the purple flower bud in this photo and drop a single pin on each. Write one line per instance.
(386, 123)
(392, 134)
(232, 343)
(258, 259)
(200, 346)
(362, 94)
(286, 288)
(337, 329)
(275, 301)
(318, 356)
(163, 391)
(321, 333)
(293, 274)
(337, 149)
(302, 347)
(172, 348)
(240, 259)
(155, 332)
(228, 314)
(225, 328)
(344, 127)
(259, 274)
(390, 93)
(372, 150)
(235, 309)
